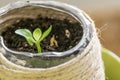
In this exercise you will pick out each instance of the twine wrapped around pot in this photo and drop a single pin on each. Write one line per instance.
(87, 65)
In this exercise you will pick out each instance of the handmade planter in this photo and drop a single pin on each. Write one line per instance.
(82, 62)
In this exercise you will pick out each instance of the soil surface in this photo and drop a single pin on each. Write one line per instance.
(66, 33)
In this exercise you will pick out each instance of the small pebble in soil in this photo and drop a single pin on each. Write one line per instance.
(70, 47)
(67, 33)
(50, 48)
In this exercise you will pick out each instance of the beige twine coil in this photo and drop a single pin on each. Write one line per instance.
(86, 66)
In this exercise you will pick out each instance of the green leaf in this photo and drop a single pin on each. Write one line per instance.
(46, 33)
(34, 38)
(30, 41)
(27, 34)
(24, 32)
(37, 34)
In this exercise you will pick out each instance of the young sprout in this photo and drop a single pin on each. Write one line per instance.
(34, 38)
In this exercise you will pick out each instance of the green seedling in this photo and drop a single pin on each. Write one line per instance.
(34, 38)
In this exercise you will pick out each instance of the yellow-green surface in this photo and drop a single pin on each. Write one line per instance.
(112, 65)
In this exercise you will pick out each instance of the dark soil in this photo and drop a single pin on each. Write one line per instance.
(59, 28)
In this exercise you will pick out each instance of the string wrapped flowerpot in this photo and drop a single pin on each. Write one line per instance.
(81, 62)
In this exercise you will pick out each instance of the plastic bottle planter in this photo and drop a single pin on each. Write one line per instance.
(82, 62)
